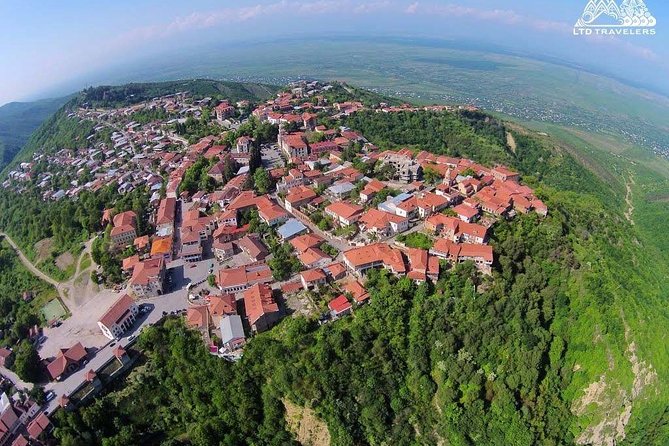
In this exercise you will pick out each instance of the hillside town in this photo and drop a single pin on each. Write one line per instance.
(288, 225)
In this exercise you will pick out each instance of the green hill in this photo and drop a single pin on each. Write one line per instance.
(564, 344)
(18, 120)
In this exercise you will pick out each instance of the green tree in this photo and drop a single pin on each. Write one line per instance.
(27, 362)
(262, 181)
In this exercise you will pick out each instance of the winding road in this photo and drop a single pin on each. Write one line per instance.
(66, 290)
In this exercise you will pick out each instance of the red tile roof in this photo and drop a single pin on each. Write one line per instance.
(339, 304)
(258, 301)
(117, 311)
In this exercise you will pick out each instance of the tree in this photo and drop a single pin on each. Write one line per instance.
(27, 362)
(262, 181)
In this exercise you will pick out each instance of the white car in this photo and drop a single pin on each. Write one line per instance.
(50, 395)
(132, 338)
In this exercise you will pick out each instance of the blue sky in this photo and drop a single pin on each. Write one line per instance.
(43, 44)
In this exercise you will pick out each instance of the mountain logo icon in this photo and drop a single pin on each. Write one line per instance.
(608, 14)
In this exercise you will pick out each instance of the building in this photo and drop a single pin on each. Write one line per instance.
(299, 197)
(162, 247)
(313, 278)
(339, 306)
(291, 229)
(232, 332)
(344, 213)
(466, 213)
(306, 241)
(235, 280)
(356, 291)
(223, 250)
(379, 255)
(270, 212)
(166, 216)
(293, 145)
(148, 278)
(457, 230)
(222, 305)
(262, 310)
(66, 361)
(40, 424)
(370, 190)
(481, 255)
(243, 144)
(198, 317)
(124, 231)
(119, 317)
(382, 223)
(253, 247)
(503, 173)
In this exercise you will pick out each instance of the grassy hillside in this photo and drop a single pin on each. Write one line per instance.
(18, 120)
(565, 344)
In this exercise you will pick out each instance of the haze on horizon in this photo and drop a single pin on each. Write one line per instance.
(49, 47)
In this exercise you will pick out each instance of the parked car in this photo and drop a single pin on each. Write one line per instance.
(132, 338)
(50, 395)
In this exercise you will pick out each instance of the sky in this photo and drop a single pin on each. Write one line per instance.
(48, 44)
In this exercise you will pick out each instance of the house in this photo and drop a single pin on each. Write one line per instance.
(356, 291)
(253, 247)
(481, 255)
(314, 258)
(262, 310)
(382, 223)
(162, 247)
(223, 250)
(165, 216)
(243, 144)
(370, 190)
(119, 317)
(335, 271)
(40, 424)
(456, 230)
(232, 332)
(122, 236)
(404, 205)
(422, 265)
(66, 361)
(222, 305)
(291, 229)
(235, 280)
(379, 255)
(466, 213)
(503, 173)
(306, 241)
(226, 234)
(148, 278)
(429, 203)
(270, 212)
(125, 229)
(298, 197)
(344, 213)
(224, 110)
(141, 244)
(340, 190)
(198, 317)
(313, 278)
(293, 145)
(339, 306)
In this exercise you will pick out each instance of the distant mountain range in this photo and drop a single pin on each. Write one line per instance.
(18, 120)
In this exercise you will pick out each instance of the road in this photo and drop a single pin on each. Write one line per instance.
(28, 264)
(14, 378)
